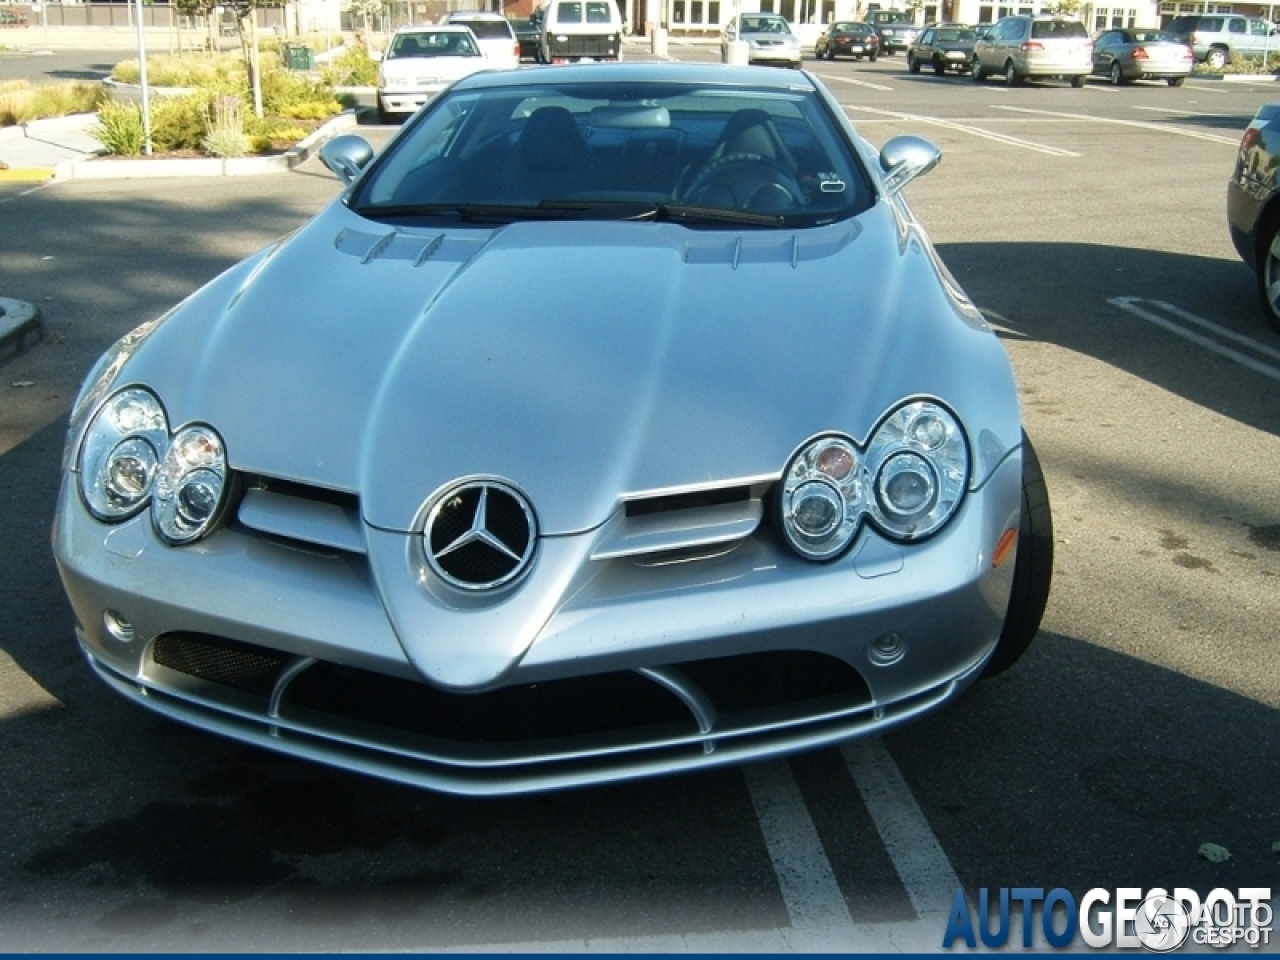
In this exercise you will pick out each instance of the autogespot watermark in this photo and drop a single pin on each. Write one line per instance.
(1126, 918)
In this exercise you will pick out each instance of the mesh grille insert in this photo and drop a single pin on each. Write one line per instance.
(220, 660)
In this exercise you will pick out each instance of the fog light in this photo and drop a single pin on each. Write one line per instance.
(886, 649)
(117, 626)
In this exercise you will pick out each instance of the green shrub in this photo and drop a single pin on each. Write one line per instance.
(226, 136)
(20, 101)
(120, 128)
(353, 68)
(180, 123)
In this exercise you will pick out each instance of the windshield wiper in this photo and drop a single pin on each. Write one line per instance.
(656, 211)
(466, 212)
(575, 210)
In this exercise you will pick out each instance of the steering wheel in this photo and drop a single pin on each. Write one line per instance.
(745, 181)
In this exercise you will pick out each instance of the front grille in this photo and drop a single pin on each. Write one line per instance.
(605, 703)
(219, 660)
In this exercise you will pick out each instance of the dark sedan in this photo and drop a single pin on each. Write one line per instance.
(526, 31)
(848, 39)
(1131, 54)
(943, 47)
(1253, 206)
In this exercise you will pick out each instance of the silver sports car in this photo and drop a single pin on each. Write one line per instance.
(616, 420)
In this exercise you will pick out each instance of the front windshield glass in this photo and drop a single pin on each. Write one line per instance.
(894, 16)
(764, 25)
(435, 43)
(620, 150)
(955, 35)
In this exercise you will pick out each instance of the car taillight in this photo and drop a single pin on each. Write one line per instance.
(1029, 47)
(1140, 53)
(1251, 136)
(515, 49)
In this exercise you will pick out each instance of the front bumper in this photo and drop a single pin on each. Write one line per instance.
(640, 669)
(407, 101)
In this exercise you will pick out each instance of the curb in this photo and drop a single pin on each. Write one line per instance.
(18, 319)
(92, 168)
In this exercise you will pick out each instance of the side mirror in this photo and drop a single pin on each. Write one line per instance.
(346, 156)
(905, 158)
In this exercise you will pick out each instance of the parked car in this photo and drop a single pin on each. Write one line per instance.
(574, 30)
(527, 34)
(1043, 45)
(1213, 38)
(768, 38)
(493, 31)
(943, 47)
(1253, 206)
(1129, 54)
(896, 28)
(847, 38)
(420, 62)
(373, 498)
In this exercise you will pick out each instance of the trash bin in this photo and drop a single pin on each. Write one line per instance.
(299, 57)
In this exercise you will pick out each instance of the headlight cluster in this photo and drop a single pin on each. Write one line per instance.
(908, 482)
(128, 457)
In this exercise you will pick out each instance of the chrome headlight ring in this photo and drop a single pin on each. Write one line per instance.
(908, 482)
(191, 485)
(121, 451)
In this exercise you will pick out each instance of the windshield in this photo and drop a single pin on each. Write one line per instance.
(894, 16)
(619, 150)
(454, 43)
(956, 35)
(764, 25)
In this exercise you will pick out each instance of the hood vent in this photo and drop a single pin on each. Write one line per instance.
(415, 248)
(770, 247)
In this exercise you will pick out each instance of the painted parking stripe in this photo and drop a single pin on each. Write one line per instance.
(922, 864)
(1184, 112)
(855, 81)
(1140, 124)
(1167, 317)
(971, 130)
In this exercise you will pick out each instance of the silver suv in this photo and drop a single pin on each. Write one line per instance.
(1035, 46)
(1214, 37)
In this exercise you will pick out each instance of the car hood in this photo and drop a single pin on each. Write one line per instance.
(581, 362)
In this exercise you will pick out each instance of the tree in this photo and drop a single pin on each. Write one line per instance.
(366, 9)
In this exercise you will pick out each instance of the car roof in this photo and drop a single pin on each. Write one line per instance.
(709, 74)
(473, 15)
(434, 28)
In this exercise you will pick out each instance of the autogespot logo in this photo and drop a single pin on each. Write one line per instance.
(1127, 918)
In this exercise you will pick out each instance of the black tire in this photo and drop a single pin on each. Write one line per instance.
(1268, 261)
(385, 118)
(1117, 74)
(1033, 568)
(1011, 78)
(1175, 81)
(1078, 80)
(976, 70)
(913, 64)
(939, 67)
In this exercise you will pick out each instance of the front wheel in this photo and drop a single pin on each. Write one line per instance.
(1078, 81)
(913, 64)
(1269, 273)
(976, 71)
(1176, 81)
(939, 67)
(1032, 571)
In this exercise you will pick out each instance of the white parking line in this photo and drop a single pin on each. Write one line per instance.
(1154, 311)
(922, 864)
(855, 81)
(1140, 124)
(1184, 112)
(966, 128)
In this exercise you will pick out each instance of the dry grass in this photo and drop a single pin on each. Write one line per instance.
(21, 101)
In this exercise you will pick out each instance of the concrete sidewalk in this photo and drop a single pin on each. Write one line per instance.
(38, 150)
(63, 148)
